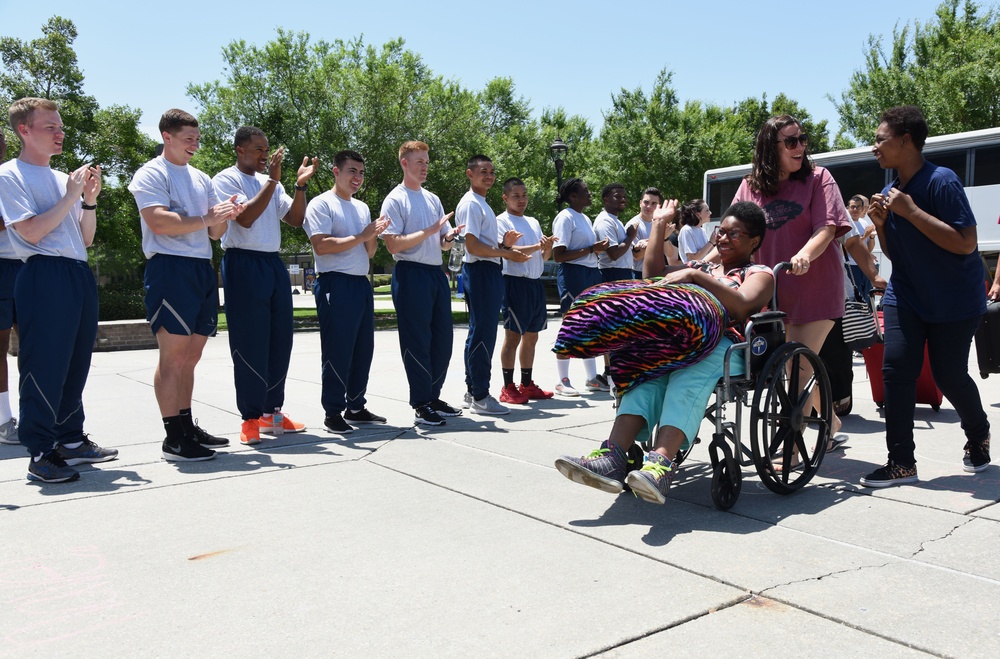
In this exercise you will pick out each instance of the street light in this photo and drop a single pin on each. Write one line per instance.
(558, 151)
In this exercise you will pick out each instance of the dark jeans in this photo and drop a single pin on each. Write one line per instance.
(948, 346)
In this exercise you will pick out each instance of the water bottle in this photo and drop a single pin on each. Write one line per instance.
(457, 254)
(277, 422)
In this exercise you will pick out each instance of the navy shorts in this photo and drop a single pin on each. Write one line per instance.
(182, 295)
(8, 275)
(523, 304)
(615, 274)
(572, 280)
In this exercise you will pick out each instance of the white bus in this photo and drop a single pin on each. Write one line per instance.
(974, 156)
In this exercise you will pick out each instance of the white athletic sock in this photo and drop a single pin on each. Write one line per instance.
(591, 366)
(5, 413)
(562, 367)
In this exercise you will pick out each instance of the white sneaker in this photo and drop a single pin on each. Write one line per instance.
(564, 388)
(489, 405)
(8, 432)
(467, 400)
(596, 385)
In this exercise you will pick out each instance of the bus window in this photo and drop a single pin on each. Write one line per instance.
(987, 167)
(864, 178)
(954, 160)
(720, 195)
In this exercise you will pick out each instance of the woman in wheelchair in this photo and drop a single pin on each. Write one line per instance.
(743, 288)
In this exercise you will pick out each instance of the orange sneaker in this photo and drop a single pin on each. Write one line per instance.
(250, 432)
(510, 394)
(267, 424)
(534, 392)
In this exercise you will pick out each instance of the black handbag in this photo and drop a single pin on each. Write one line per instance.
(860, 325)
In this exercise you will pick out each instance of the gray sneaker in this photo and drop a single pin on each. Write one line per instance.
(652, 481)
(8, 432)
(467, 400)
(604, 469)
(489, 405)
(86, 453)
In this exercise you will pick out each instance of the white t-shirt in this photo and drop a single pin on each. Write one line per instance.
(574, 231)
(264, 235)
(30, 190)
(689, 240)
(609, 226)
(410, 211)
(858, 228)
(181, 189)
(641, 233)
(330, 215)
(531, 234)
(480, 221)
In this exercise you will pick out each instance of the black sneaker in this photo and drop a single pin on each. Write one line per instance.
(444, 409)
(208, 441)
(889, 475)
(363, 416)
(336, 423)
(977, 456)
(427, 416)
(86, 453)
(185, 449)
(603, 379)
(50, 468)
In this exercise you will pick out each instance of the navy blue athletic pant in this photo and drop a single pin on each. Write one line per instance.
(259, 315)
(422, 299)
(346, 310)
(56, 301)
(484, 292)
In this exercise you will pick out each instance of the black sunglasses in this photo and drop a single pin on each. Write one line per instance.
(795, 140)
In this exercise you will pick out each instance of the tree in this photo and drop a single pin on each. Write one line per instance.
(47, 68)
(950, 67)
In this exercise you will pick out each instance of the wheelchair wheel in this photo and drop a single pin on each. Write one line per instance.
(726, 485)
(787, 436)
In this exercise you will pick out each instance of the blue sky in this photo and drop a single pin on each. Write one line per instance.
(574, 55)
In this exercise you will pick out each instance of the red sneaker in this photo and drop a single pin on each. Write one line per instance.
(510, 394)
(534, 392)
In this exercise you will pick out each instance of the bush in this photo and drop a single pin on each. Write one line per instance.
(381, 280)
(121, 301)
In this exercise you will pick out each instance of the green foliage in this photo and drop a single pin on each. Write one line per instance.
(950, 67)
(121, 301)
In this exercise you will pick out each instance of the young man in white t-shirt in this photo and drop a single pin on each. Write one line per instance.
(10, 264)
(417, 234)
(344, 239)
(50, 229)
(485, 249)
(255, 280)
(524, 295)
(180, 215)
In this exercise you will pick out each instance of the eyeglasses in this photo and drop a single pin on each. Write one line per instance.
(794, 141)
(731, 234)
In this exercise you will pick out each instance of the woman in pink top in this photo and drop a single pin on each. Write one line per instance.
(805, 212)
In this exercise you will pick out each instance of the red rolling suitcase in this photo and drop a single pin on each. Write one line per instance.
(927, 390)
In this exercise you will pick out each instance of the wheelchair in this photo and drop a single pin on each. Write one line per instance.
(784, 426)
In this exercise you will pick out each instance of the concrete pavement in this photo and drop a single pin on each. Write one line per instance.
(463, 541)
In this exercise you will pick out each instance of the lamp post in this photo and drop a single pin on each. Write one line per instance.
(558, 151)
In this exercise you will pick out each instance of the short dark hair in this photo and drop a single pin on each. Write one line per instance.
(510, 183)
(568, 187)
(609, 188)
(863, 200)
(343, 156)
(752, 216)
(690, 210)
(652, 192)
(905, 119)
(173, 120)
(245, 133)
(476, 159)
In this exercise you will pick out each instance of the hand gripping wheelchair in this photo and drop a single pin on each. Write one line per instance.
(788, 436)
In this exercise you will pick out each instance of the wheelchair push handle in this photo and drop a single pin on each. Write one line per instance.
(784, 265)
